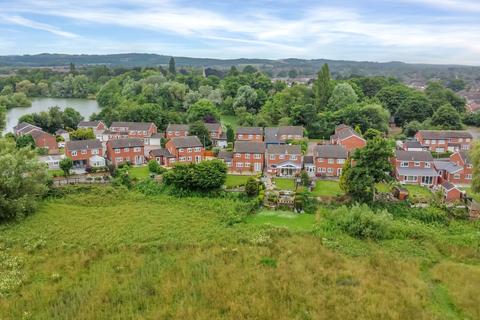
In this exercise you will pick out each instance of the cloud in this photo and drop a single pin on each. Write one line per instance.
(37, 25)
(458, 5)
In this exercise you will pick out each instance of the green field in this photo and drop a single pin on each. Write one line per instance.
(284, 184)
(417, 192)
(327, 188)
(229, 120)
(115, 254)
(139, 172)
(235, 180)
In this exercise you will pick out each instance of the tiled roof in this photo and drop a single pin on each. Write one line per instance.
(88, 124)
(186, 142)
(213, 126)
(465, 156)
(250, 130)
(403, 155)
(448, 166)
(225, 155)
(249, 147)
(274, 134)
(344, 132)
(25, 127)
(333, 151)
(308, 159)
(283, 149)
(126, 143)
(162, 152)
(138, 126)
(83, 145)
(177, 127)
(445, 134)
(448, 185)
(412, 144)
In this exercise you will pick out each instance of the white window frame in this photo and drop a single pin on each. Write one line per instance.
(137, 149)
(117, 150)
(404, 164)
(247, 155)
(257, 156)
(74, 153)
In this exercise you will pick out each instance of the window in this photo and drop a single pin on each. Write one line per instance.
(247, 164)
(247, 155)
(189, 158)
(469, 166)
(180, 150)
(272, 157)
(411, 178)
(456, 176)
(84, 151)
(330, 170)
(177, 133)
(189, 150)
(237, 155)
(320, 159)
(416, 163)
(197, 149)
(441, 141)
(465, 147)
(257, 156)
(460, 140)
(74, 153)
(321, 169)
(126, 150)
(467, 139)
(145, 133)
(118, 159)
(404, 164)
(434, 141)
(181, 159)
(427, 141)
(293, 157)
(240, 136)
(282, 156)
(468, 176)
(239, 165)
(340, 161)
(427, 165)
(250, 136)
(331, 161)
(117, 150)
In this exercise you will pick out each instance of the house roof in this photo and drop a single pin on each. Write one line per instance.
(38, 133)
(88, 124)
(61, 131)
(212, 126)
(162, 152)
(332, 151)
(225, 155)
(465, 156)
(158, 135)
(83, 145)
(186, 142)
(445, 134)
(418, 172)
(139, 126)
(250, 130)
(249, 147)
(448, 166)
(126, 143)
(177, 127)
(447, 185)
(412, 144)
(284, 149)
(274, 134)
(25, 127)
(308, 159)
(343, 131)
(403, 155)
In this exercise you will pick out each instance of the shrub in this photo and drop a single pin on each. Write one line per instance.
(304, 201)
(149, 187)
(251, 187)
(204, 176)
(362, 222)
(154, 167)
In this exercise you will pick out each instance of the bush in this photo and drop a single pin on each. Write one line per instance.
(251, 187)
(204, 176)
(149, 187)
(362, 222)
(304, 201)
(154, 167)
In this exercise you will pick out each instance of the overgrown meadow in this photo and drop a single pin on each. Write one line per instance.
(109, 253)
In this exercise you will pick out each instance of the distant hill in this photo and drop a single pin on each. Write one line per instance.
(415, 74)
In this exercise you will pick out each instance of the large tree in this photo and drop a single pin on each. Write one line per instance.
(171, 66)
(23, 180)
(323, 88)
(198, 129)
(342, 96)
(3, 117)
(203, 110)
(447, 117)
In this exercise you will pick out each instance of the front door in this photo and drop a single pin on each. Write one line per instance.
(258, 167)
(427, 180)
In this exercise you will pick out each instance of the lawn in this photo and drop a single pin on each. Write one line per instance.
(139, 172)
(284, 184)
(417, 192)
(470, 193)
(327, 188)
(55, 173)
(235, 180)
(115, 254)
(383, 187)
(229, 120)
(290, 220)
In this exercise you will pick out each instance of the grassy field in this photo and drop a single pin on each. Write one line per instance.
(284, 184)
(417, 192)
(139, 172)
(235, 180)
(116, 254)
(229, 120)
(327, 188)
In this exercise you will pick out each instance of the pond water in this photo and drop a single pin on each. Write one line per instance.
(85, 106)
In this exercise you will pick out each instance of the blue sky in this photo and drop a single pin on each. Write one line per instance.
(423, 31)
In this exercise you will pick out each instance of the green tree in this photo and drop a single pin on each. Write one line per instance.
(71, 118)
(198, 129)
(154, 167)
(475, 159)
(342, 96)
(304, 178)
(25, 141)
(203, 176)
(3, 117)
(203, 110)
(251, 187)
(230, 134)
(249, 69)
(66, 165)
(411, 128)
(171, 66)
(323, 88)
(447, 117)
(246, 98)
(23, 180)
(82, 134)
(372, 134)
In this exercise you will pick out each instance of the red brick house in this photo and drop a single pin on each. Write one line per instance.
(451, 192)
(218, 137)
(176, 130)
(463, 176)
(227, 157)
(45, 140)
(142, 130)
(126, 150)
(248, 156)
(443, 140)
(98, 127)
(280, 135)
(187, 149)
(329, 160)
(347, 137)
(24, 128)
(415, 167)
(85, 152)
(284, 160)
(249, 134)
(162, 156)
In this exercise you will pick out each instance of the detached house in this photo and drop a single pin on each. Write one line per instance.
(284, 160)
(347, 137)
(141, 130)
(85, 152)
(162, 156)
(415, 167)
(126, 150)
(249, 134)
(248, 156)
(329, 159)
(176, 130)
(98, 127)
(463, 175)
(280, 135)
(218, 137)
(41, 138)
(187, 149)
(443, 140)
(24, 128)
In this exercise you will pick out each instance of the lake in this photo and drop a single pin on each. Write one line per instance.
(85, 106)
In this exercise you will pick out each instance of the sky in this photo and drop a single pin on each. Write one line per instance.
(416, 31)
